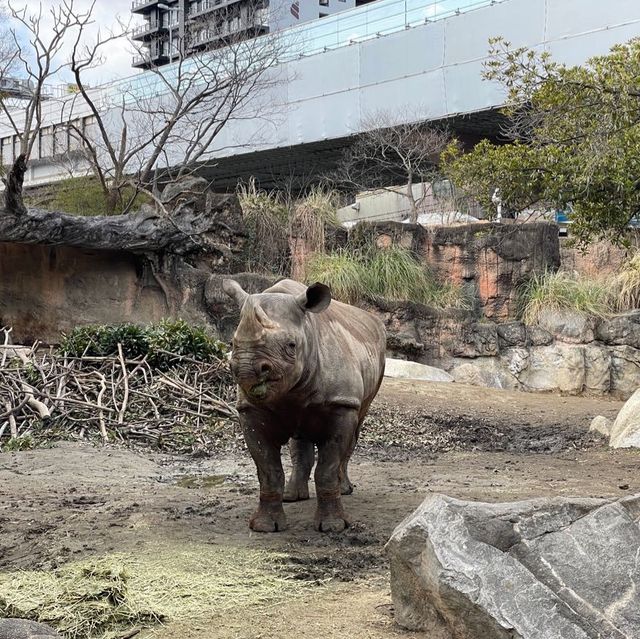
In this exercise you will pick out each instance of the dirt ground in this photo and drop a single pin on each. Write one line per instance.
(75, 500)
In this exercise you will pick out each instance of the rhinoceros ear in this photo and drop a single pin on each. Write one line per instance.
(235, 291)
(316, 298)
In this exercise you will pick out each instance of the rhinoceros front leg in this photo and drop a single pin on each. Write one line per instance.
(333, 454)
(302, 458)
(269, 517)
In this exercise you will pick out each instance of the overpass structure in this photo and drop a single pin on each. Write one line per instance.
(412, 58)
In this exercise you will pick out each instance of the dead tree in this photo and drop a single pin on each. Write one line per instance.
(388, 155)
(167, 124)
(36, 62)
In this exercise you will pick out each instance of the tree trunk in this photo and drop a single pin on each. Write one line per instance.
(13, 186)
(413, 215)
(193, 230)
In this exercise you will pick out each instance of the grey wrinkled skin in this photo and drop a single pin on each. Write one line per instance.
(307, 369)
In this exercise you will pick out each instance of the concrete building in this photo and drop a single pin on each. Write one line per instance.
(424, 57)
(183, 27)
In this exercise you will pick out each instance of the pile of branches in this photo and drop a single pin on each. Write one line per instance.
(46, 395)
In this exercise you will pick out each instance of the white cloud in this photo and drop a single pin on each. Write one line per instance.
(106, 13)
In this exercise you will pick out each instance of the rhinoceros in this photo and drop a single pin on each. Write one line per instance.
(307, 369)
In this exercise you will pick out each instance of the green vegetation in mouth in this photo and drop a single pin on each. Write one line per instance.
(258, 391)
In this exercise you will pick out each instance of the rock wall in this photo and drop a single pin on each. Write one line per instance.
(566, 353)
(598, 259)
(46, 289)
(489, 260)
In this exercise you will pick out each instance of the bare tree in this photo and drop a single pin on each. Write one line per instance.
(168, 124)
(388, 155)
(8, 51)
(36, 63)
(163, 123)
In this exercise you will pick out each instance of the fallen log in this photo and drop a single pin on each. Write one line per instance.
(187, 230)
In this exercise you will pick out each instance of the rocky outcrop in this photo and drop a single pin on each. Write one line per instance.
(489, 260)
(541, 569)
(625, 432)
(58, 271)
(515, 356)
(24, 629)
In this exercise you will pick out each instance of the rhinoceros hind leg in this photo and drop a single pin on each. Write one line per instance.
(346, 487)
(302, 459)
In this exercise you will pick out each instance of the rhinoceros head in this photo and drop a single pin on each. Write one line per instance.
(270, 342)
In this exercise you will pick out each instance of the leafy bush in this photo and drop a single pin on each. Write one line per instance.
(391, 273)
(564, 291)
(160, 342)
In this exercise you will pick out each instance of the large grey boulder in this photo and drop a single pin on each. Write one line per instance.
(623, 330)
(24, 629)
(403, 369)
(541, 569)
(625, 432)
(568, 326)
(560, 367)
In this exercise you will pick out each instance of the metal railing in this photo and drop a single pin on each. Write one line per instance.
(147, 27)
(136, 4)
(377, 19)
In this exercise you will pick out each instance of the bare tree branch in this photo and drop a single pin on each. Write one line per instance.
(387, 155)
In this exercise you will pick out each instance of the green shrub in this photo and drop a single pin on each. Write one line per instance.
(160, 342)
(391, 273)
(564, 291)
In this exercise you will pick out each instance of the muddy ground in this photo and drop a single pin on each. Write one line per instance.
(74, 500)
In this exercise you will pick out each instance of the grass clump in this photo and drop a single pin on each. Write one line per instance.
(84, 196)
(267, 219)
(104, 598)
(342, 271)
(391, 273)
(312, 215)
(625, 286)
(159, 342)
(562, 291)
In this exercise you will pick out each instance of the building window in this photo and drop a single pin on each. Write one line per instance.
(324, 3)
(46, 142)
(90, 127)
(60, 140)
(6, 151)
(322, 15)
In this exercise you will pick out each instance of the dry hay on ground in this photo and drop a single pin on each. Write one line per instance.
(108, 597)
